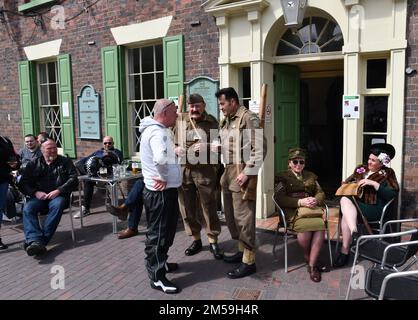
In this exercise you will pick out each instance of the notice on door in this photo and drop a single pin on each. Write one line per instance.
(351, 107)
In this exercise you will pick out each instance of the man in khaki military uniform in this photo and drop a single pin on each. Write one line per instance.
(199, 175)
(243, 151)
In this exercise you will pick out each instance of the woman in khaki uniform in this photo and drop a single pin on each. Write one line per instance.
(297, 188)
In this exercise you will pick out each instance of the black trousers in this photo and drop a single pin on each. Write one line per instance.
(162, 210)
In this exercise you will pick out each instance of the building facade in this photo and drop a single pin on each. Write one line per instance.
(134, 52)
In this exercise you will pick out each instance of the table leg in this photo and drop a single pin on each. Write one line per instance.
(79, 201)
(114, 202)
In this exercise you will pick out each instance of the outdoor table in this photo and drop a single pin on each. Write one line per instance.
(112, 182)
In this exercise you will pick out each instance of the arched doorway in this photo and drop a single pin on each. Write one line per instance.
(308, 91)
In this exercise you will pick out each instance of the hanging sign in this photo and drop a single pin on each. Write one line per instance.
(351, 107)
(88, 113)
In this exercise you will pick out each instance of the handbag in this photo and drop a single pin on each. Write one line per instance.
(350, 189)
(305, 212)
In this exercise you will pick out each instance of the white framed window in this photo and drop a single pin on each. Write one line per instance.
(49, 103)
(244, 89)
(376, 101)
(145, 85)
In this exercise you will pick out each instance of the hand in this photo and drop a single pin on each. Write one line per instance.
(159, 184)
(199, 146)
(309, 202)
(53, 194)
(40, 195)
(367, 182)
(179, 151)
(215, 147)
(241, 179)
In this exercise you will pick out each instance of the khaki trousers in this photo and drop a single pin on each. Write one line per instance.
(197, 201)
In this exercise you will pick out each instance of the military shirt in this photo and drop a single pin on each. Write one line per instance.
(241, 142)
(203, 131)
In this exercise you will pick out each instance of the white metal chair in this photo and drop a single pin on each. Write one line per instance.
(377, 249)
(282, 223)
(375, 225)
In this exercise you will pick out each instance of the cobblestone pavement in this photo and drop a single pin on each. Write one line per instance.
(101, 266)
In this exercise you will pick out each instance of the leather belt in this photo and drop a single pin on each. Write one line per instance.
(299, 195)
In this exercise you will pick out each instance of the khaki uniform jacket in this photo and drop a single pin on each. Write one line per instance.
(241, 143)
(289, 189)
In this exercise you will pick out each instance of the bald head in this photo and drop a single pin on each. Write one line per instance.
(165, 112)
(49, 150)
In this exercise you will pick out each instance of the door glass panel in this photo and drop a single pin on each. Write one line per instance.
(376, 73)
(375, 113)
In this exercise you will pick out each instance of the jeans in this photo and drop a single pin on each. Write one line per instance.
(32, 229)
(135, 203)
(4, 186)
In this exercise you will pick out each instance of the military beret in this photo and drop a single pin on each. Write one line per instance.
(297, 153)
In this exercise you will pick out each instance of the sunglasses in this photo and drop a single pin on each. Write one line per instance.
(301, 162)
(107, 142)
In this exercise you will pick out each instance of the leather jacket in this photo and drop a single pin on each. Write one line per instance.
(38, 176)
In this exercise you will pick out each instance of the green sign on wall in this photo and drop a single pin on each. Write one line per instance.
(207, 88)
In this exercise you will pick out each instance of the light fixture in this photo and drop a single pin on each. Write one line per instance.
(293, 11)
(410, 71)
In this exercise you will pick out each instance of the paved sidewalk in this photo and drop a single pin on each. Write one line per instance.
(103, 267)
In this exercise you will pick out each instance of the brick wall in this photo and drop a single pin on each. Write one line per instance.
(16, 32)
(410, 175)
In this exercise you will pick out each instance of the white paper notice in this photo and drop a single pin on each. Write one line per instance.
(351, 107)
(65, 109)
(269, 114)
(254, 106)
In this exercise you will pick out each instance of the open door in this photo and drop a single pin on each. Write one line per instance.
(286, 113)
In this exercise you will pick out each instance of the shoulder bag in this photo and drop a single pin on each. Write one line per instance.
(305, 212)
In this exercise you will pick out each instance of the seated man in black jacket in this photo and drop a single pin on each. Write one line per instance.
(48, 182)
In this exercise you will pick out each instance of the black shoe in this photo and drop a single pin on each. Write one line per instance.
(194, 248)
(164, 285)
(234, 258)
(2, 245)
(243, 270)
(341, 261)
(35, 249)
(171, 266)
(217, 252)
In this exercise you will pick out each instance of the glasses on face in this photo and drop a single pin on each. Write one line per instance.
(296, 162)
(107, 142)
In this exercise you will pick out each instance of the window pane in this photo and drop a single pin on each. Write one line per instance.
(148, 86)
(375, 114)
(51, 72)
(368, 141)
(246, 82)
(133, 61)
(376, 73)
(135, 87)
(53, 94)
(42, 73)
(147, 59)
(160, 85)
(159, 58)
(44, 95)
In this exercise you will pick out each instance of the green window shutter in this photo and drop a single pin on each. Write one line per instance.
(28, 97)
(66, 101)
(112, 70)
(173, 66)
(124, 144)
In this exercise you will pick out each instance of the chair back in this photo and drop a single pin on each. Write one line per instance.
(412, 248)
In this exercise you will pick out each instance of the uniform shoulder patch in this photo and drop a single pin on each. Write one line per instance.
(255, 121)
